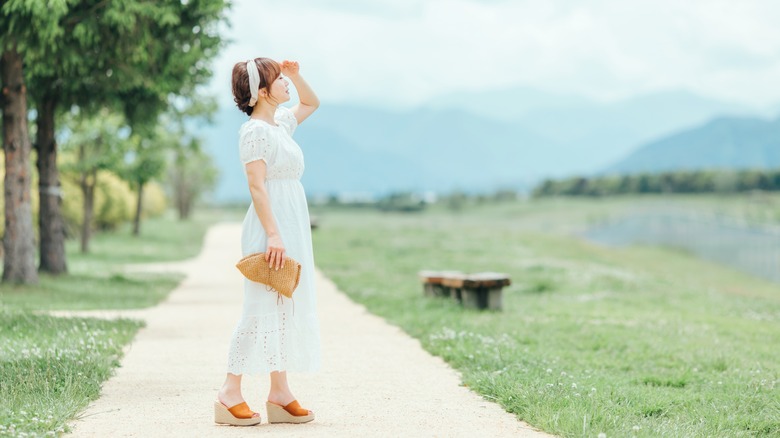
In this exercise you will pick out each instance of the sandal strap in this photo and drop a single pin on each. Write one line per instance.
(241, 410)
(295, 409)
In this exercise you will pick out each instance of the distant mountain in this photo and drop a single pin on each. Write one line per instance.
(354, 149)
(726, 142)
(469, 141)
(599, 134)
(593, 134)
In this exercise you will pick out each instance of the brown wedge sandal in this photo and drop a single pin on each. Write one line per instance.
(292, 413)
(238, 415)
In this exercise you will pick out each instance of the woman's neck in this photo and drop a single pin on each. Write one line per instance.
(264, 111)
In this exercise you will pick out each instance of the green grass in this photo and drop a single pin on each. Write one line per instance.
(629, 342)
(91, 291)
(161, 239)
(50, 367)
(97, 280)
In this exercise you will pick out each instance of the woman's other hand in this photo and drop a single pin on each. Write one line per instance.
(290, 68)
(274, 253)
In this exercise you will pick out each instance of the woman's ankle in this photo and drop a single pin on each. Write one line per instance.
(280, 397)
(230, 395)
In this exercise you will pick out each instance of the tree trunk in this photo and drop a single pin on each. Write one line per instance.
(185, 211)
(177, 192)
(183, 196)
(50, 221)
(18, 242)
(88, 183)
(137, 220)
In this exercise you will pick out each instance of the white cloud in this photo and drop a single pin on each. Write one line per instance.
(405, 52)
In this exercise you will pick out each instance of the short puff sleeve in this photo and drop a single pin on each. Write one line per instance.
(285, 117)
(255, 145)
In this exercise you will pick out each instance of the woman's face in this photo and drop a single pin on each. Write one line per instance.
(279, 90)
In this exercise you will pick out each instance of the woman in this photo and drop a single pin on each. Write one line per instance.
(274, 335)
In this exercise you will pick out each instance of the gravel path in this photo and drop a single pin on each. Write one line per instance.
(375, 381)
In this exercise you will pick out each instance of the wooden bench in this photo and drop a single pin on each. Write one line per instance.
(433, 282)
(475, 291)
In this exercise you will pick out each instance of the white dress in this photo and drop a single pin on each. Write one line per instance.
(273, 334)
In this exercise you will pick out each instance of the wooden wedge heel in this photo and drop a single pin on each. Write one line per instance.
(238, 415)
(292, 413)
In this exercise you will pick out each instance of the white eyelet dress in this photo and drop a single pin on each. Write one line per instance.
(275, 335)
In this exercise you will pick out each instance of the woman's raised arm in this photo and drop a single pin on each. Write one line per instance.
(308, 100)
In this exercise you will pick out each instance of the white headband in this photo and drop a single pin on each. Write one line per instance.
(254, 81)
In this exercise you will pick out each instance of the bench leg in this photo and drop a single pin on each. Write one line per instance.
(472, 298)
(456, 294)
(494, 299)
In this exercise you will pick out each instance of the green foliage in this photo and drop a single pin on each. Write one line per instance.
(131, 55)
(94, 142)
(456, 201)
(404, 202)
(32, 25)
(146, 158)
(700, 181)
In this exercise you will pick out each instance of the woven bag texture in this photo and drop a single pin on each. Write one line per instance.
(283, 281)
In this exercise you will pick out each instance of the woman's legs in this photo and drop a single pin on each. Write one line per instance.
(230, 393)
(280, 393)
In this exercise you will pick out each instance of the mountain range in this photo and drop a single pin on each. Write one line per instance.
(722, 143)
(511, 139)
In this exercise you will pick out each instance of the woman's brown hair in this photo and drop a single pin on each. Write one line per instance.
(269, 70)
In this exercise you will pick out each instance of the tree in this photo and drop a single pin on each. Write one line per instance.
(27, 27)
(144, 162)
(99, 142)
(191, 173)
(130, 55)
(18, 245)
(178, 41)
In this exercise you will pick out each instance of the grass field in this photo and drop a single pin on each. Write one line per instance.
(627, 342)
(97, 279)
(51, 367)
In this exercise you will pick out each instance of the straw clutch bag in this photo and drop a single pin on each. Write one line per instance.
(283, 281)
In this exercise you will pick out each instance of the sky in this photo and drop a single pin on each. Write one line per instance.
(403, 53)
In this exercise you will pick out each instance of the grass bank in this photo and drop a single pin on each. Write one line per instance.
(52, 367)
(627, 342)
(98, 280)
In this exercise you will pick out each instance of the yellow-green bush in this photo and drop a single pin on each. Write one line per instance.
(154, 202)
(72, 210)
(114, 202)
